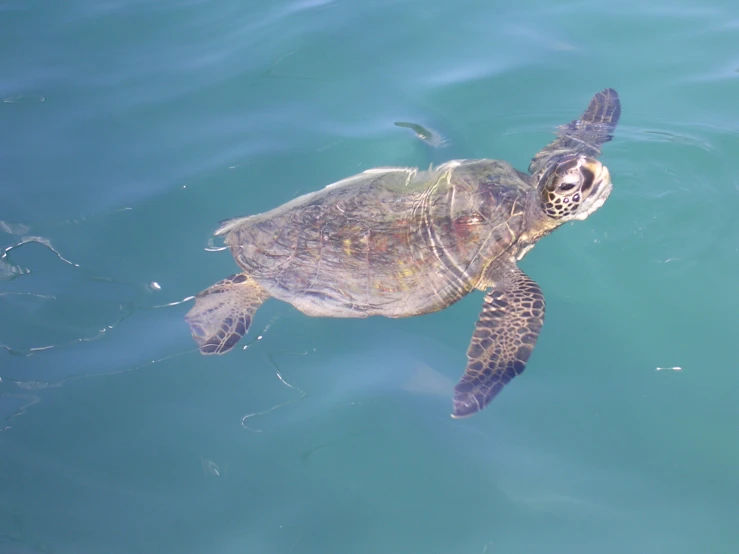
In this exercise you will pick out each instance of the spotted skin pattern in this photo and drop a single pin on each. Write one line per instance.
(505, 334)
(400, 242)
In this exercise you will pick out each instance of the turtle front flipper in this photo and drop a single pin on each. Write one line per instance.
(223, 312)
(506, 332)
(585, 135)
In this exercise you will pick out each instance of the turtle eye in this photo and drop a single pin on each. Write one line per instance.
(564, 187)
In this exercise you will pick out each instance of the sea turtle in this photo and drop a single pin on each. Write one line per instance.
(401, 242)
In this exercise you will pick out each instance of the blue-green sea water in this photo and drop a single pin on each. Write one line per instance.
(130, 128)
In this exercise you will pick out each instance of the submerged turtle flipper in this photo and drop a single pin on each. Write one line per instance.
(223, 312)
(505, 334)
(585, 135)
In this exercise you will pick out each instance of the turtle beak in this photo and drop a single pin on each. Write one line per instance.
(596, 187)
(597, 177)
(594, 171)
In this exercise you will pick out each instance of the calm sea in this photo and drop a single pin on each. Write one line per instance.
(130, 128)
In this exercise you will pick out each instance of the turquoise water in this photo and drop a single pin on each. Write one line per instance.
(129, 129)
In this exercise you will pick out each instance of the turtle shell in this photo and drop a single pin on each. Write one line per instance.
(389, 241)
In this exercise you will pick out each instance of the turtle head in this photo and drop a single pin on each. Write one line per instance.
(573, 187)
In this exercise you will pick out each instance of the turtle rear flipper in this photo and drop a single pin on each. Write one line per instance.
(223, 312)
(585, 135)
(505, 334)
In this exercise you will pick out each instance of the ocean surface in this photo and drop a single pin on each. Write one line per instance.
(130, 128)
